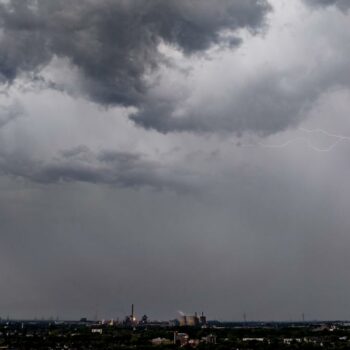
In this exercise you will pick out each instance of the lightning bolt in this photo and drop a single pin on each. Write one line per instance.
(324, 132)
(338, 139)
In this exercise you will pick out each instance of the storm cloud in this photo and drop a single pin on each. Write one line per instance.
(113, 49)
(80, 164)
(194, 147)
(114, 44)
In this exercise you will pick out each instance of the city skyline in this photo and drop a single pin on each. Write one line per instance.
(183, 155)
(135, 318)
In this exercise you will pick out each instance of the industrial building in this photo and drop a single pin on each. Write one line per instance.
(131, 320)
(192, 320)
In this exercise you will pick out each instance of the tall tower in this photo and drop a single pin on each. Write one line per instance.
(203, 320)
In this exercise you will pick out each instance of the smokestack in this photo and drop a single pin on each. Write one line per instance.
(132, 311)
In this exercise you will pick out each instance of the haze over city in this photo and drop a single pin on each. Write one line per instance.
(182, 155)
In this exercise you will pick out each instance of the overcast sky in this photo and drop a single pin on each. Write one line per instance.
(184, 155)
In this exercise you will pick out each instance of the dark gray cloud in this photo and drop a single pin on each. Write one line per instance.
(278, 95)
(268, 104)
(114, 47)
(80, 164)
(114, 43)
(262, 107)
(85, 229)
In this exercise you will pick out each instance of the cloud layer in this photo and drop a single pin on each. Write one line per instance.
(114, 44)
(119, 169)
(113, 51)
(166, 145)
(342, 4)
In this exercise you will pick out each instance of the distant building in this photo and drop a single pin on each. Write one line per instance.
(130, 321)
(160, 341)
(182, 321)
(192, 320)
(209, 339)
(144, 319)
(253, 339)
(174, 323)
(203, 320)
(181, 338)
(290, 341)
